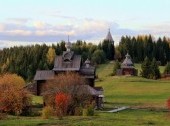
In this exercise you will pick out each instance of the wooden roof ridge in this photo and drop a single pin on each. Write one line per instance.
(73, 65)
(44, 75)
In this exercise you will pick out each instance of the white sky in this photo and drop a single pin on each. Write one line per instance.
(24, 22)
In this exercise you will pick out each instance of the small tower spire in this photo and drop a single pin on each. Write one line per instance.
(109, 36)
(68, 45)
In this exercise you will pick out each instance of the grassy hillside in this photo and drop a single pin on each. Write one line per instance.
(138, 66)
(136, 92)
(132, 91)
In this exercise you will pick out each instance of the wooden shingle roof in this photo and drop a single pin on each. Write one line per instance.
(44, 75)
(127, 63)
(109, 37)
(87, 71)
(73, 65)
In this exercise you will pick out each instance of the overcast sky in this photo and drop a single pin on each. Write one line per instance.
(46, 21)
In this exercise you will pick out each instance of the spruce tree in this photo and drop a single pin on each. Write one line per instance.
(146, 68)
(167, 69)
(155, 73)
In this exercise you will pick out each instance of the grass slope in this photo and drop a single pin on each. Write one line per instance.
(132, 91)
(119, 91)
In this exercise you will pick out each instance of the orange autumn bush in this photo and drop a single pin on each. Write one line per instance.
(63, 101)
(13, 98)
(168, 103)
(69, 84)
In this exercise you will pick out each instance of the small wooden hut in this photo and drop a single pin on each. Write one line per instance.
(127, 67)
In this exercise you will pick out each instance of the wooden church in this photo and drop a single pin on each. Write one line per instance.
(127, 67)
(69, 62)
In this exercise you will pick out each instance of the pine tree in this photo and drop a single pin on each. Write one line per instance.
(146, 68)
(155, 73)
(167, 69)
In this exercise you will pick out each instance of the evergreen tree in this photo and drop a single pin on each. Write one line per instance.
(150, 69)
(108, 48)
(167, 69)
(155, 73)
(146, 68)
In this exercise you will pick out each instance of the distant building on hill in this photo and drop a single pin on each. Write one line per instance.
(127, 67)
(109, 37)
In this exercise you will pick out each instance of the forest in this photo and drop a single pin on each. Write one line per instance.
(25, 60)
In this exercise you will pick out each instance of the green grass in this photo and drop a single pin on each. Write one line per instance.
(132, 91)
(124, 118)
(136, 92)
(138, 66)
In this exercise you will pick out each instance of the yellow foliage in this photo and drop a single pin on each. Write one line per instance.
(47, 112)
(13, 97)
(12, 80)
(50, 55)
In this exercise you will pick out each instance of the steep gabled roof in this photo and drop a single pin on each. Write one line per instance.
(87, 71)
(44, 75)
(127, 63)
(72, 65)
(109, 37)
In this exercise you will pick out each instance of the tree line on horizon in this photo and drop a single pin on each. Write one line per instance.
(25, 60)
(141, 47)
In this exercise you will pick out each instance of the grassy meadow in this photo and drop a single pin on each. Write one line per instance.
(146, 99)
(132, 91)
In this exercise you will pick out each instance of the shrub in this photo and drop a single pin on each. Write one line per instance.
(168, 103)
(116, 66)
(47, 112)
(13, 98)
(62, 102)
(85, 112)
(89, 111)
(3, 116)
(99, 57)
(78, 111)
(67, 85)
